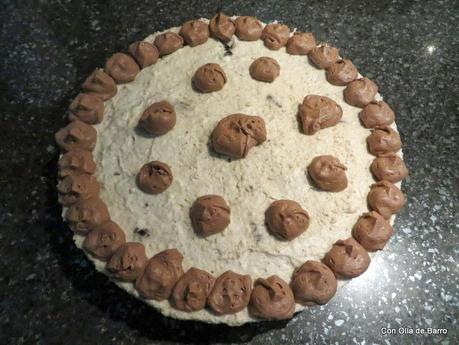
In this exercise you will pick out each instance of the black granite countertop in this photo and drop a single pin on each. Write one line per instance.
(49, 291)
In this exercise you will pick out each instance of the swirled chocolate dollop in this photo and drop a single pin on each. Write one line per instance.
(264, 69)
(272, 299)
(341, 72)
(389, 167)
(286, 219)
(209, 78)
(86, 214)
(383, 140)
(87, 107)
(210, 214)
(317, 112)
(222, 27)
(328, 173)
(347, 258)
(76, 187)
(275, 36)
(372, 231)
(76, 162)
(248, 28)
(377, 114)
(76, 135)
(159, 118)
(146, 54)
(104, 240)
(324, 56)
(301, 43)
(313, 283)
(154, 177)
(100, 84)
(128, 261)
(194, 32)
(236, 134)
(385, 198)
(192, 289)
(160, 275)
(360, 92)
(168, 42)
(122, 68)
(231, 293)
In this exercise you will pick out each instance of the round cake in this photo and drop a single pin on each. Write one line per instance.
(230, 171)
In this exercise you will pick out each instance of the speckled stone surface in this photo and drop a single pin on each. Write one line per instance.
(49, 292)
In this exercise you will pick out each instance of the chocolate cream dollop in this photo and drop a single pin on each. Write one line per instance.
(222, 27)
(154, 177)
(159, 118)
(385, 198)
(210, 214)
(264, 69)
(313, 283)
(347, 258)
(286, 219)
(122, 68)
(272, 299)
(360, 92)
(192, 289)
(86, 214)
(104, 240)
(76, 135)
(160, 275)
(128, 261)
(194, 32)
(77, 187)
(209, 78)
(146, 54)
(377, 113)
(230, 294)
(248, 28)
(87, 107)
(383, 140)
(324, 56)
(76, 162)
(301, 43)
(328, 173)
(100, 84)
(390, 167)
(275, 36)
(168, 42)
(236, 134)
(318, 112)
(341, 73)
(372, 231)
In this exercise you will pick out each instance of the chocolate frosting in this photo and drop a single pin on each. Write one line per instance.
(372, 231)
(341, 73)
(383, 140)
(159, 118)
(275, 36)
(248, 28)
(360, 92)
(160, 275)
(313, 283)
(195, 32)
(377, 114)
(324, 56)
(386, 199)
(192, 289)
(348, 259)
(76, 135)
(222, 27)
(264, 69)
(76, 162)
(128, 261)
(168, 42)
(209, 78)
(210, 214)
(231, 293)
(76, 187)
(104, 240)
(100, 84)
(236, 134)
(317, 112)
(146, 54)
(328, 173)
(154, 177)
(301, 43)
(272, 299)
(286, 219)
(86, 214)
(389, 167)
(87, 107)
(122, 68)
